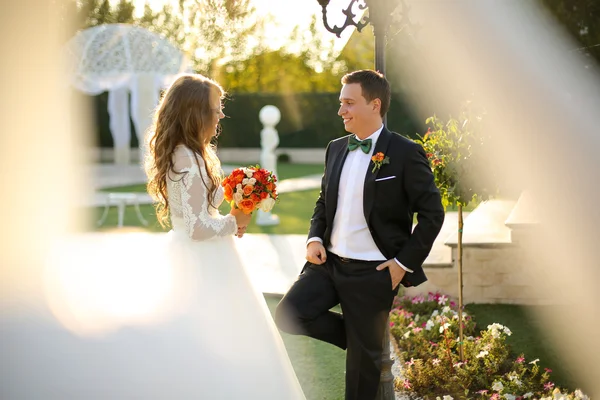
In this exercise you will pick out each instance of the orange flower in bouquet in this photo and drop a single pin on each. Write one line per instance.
(250, 189)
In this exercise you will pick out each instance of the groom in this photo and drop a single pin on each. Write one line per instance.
(361, 244)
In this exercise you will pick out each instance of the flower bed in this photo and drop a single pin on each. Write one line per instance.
(425, 329)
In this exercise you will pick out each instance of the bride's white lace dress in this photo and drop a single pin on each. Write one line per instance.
(243, 353)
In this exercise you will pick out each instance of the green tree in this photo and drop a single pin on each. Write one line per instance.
(359, 51)
(209, 32)
(123, 12)
(305, 63)
(457, 150)
(167, 22)
(276, 71)
(217, 31)
(98, 12)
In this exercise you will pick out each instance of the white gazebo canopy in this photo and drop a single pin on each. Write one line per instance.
(122, 58)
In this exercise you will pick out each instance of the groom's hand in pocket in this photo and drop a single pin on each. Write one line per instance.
(396, 271)
(315, 253)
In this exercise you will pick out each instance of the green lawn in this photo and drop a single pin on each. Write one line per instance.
(528, 337)
(287, 171)
(294, 210)
(319, 366)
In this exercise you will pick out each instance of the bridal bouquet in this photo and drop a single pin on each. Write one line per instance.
(251, 188)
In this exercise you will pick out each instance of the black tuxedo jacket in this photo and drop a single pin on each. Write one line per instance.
(388, 204)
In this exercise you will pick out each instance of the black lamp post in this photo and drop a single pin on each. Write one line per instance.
(380, 18)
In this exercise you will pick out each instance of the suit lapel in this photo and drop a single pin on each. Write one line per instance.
(334, 179)
(369, 189)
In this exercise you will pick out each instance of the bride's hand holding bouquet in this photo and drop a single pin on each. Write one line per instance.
(249, 189)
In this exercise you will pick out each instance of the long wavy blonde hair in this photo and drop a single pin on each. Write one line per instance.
(184, 116)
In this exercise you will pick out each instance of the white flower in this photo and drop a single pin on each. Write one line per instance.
(494, 332)
(267, 204)
(495, 326)
(482, 354)
(528, 395)
(507, 331)
(497, 386)
(534, 362)
(430, 324)
(237, 197)
(446, 310)
(448, 398)
(245, 181)
(406, 335)
(249, 172)
(444, 327)
(510, 397)
(441, 301)
(238, 187)
(252, 181)
(435, 313)
(579, 394)
(436, 361)
(515, 378)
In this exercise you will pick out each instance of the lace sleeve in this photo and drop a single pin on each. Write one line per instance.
(199, 223)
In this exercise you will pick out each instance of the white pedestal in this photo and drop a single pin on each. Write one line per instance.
(266, 218)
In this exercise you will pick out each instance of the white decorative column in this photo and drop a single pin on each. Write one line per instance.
(120, 125)
(144, 99)
(269, 139)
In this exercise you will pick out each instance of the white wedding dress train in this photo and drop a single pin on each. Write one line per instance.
(142, 315)
(244, 356)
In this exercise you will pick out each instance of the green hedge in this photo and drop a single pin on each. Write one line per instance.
(307, 120)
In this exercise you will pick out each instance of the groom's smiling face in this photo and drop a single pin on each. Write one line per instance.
(360, 116)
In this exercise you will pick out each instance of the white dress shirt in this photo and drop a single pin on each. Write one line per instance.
(350, 236)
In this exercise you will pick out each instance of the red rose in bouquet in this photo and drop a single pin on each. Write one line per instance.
(250, 189)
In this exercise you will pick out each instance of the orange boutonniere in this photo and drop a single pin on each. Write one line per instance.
(378, 160)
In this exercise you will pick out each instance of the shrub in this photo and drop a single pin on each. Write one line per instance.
(426, 331)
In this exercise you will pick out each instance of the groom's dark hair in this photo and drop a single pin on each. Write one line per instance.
(374, 86)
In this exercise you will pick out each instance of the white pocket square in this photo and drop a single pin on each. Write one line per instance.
(385, 179)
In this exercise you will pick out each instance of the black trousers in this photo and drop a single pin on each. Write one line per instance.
(365, 296)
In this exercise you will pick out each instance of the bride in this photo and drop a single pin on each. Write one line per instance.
(242, 353)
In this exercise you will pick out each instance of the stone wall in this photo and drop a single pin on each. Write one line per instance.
(496, 266)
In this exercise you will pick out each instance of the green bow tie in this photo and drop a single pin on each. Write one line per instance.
(354, 143)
